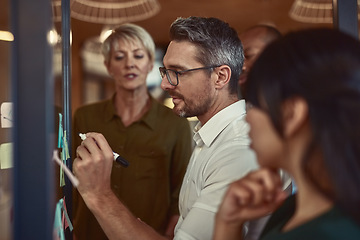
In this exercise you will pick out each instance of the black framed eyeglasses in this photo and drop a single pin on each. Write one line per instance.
(173, 76)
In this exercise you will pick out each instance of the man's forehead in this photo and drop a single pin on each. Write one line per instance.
(180, 53)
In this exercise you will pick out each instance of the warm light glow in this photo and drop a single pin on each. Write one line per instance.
(105, 32)
(53, 37)
(6, 36)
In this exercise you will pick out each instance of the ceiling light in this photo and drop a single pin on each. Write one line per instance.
(6, 36)
(113, 11)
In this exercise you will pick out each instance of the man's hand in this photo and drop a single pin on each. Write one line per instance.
(93, 165)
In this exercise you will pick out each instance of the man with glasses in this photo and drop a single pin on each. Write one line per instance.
(201, 70)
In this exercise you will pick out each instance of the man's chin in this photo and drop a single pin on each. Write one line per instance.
(183, 114)
(180, 112)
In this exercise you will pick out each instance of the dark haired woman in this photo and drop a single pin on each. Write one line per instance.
(304, 112)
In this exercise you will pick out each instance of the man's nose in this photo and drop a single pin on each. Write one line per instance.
(165, 85)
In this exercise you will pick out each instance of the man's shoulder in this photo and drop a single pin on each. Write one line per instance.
(235, 133)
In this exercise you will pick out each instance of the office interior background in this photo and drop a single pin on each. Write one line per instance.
(33, 70)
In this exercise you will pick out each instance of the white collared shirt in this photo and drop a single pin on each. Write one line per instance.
(221, 156)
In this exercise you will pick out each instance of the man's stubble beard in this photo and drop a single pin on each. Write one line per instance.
(196, 109)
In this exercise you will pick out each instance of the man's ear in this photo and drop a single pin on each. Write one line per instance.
(295, 115)
(223, 74)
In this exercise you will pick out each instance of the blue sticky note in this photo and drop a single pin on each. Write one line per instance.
(60, 134)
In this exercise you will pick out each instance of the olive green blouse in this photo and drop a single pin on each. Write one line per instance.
(157, 147)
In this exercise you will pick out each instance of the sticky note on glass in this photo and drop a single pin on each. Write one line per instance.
(6, 156)
(6, 115)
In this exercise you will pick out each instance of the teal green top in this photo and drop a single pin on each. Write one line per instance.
(330, 225)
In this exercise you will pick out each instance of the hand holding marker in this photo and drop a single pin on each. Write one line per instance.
(117, 157)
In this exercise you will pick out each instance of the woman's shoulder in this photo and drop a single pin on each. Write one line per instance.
(332, 225)
(337, 225)
(93, 107)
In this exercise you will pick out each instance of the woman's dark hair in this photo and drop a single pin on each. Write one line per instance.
(322, 66)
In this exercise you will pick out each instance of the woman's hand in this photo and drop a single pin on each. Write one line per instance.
(257, 194)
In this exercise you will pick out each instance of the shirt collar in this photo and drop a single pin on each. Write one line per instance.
(214, 126)
(150, 118)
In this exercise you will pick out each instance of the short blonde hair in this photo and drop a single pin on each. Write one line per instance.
(128, 32)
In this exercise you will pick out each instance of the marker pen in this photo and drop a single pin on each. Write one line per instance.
(117, 157)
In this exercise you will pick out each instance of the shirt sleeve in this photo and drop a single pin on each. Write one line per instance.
(198, 224)
(227, 165)
(224, 167)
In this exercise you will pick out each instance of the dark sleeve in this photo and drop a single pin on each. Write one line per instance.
(76, 141)
(180, 159)
(280, 216)
(85, 223)
(76, 196)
